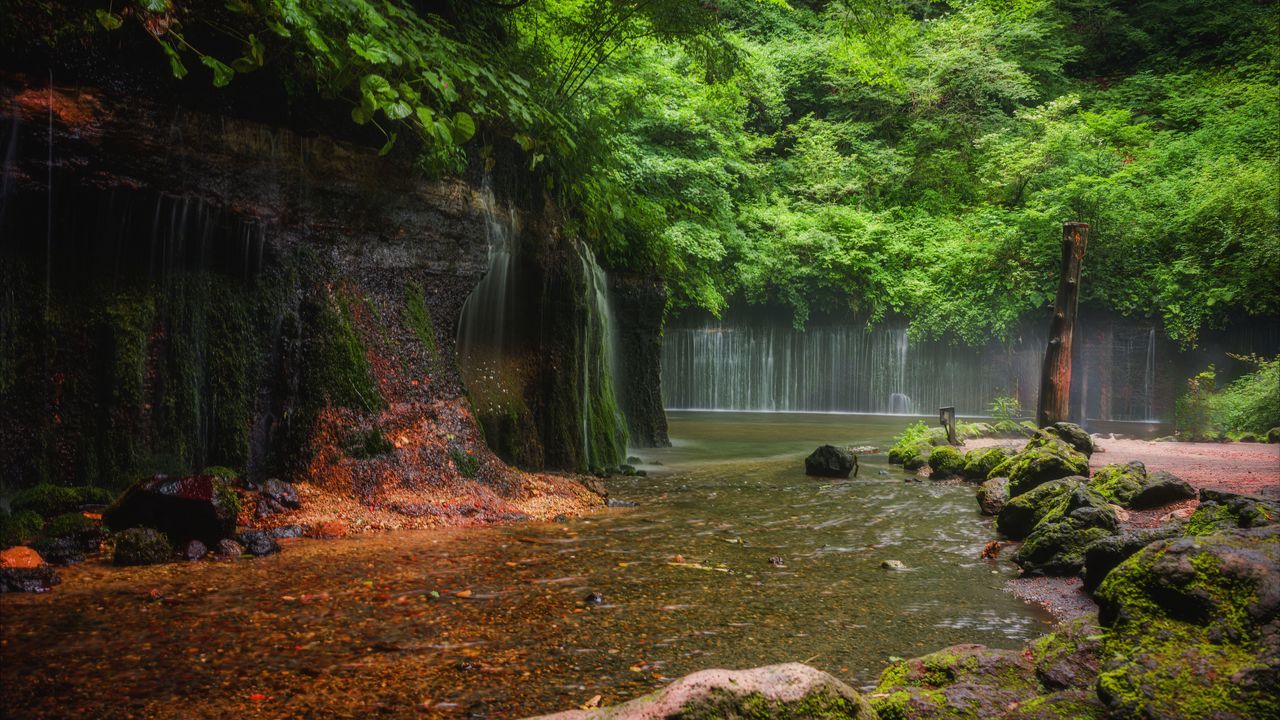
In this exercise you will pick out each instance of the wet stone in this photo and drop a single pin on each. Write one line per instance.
(228, 548)
(258, 543)
(195, 550)
(282, 492)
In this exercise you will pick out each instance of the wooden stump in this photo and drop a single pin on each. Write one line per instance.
(1055, 376)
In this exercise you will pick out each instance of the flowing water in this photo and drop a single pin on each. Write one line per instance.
(759, 363)
(353, 627)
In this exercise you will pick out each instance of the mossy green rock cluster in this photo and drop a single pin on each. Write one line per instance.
(1220, 510)
(1021, 514)
(1045, 458)
(1131, 486)
(1051, 678)
(48, 500)
(1192, 629)
(979, 463)
(946, 461)
(1057, 544)
(992, 495)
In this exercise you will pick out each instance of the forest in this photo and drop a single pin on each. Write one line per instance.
(467, 358)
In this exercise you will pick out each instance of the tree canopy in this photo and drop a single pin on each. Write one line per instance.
(871, 158)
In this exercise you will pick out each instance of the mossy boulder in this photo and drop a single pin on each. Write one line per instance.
(1273, 435)
(1021, 514)
(979, 463)
(1221, 510)
(961, 681)
(787, 692)
(199, 507)
(1119, 483)
(1068, 657)
(66, 539)
(141, 546)
(946, 461)
(1073, 435)
(992, 495)
(1103, 556)
(1192, 629)
(1057, 544)
(1045, 458)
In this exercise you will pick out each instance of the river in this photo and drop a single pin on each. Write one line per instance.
(495, 622)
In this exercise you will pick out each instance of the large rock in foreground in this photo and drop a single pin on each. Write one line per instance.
(786, 692)
(23, 570)
(1194, 629)
(831, 461)
(200, 507)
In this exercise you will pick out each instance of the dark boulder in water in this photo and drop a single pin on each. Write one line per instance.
(258, 543)
(199, 507)
(831, 461)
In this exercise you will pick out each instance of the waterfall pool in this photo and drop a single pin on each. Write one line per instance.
(495, 622)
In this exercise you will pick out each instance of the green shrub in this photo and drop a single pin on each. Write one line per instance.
(68, 524)
(1243, 410)
(1005, 408)
(141, 546)
(220, 471)
(19, 528)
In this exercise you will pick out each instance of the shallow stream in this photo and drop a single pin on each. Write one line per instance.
(353, 628)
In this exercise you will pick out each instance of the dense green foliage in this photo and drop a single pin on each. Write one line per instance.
(865, 157)
(1246, 409)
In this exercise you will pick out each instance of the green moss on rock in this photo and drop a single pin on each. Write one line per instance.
(1021, 514)
(979, 463)
(1119, 483)
(1191, 628)
(946, 461)
(1045, 458)
(141, 546)
(20, 527)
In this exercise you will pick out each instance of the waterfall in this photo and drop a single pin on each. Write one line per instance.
(482, 327)
(598, 368)
(763, 364)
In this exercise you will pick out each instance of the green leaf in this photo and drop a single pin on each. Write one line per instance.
(360, 115)
(386, 147)
(463, 127)
(109, 20)
(397, 110)
(222, 73)
(175, 60)
(155, 6)
(367, 47)
(424, 116)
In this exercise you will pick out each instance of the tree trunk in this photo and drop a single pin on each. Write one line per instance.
(1055, 377)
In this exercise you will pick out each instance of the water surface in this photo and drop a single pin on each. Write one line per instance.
(352, 627)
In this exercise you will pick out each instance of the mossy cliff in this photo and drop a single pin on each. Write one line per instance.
(214, 291)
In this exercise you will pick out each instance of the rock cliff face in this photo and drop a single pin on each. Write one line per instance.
(185, 289)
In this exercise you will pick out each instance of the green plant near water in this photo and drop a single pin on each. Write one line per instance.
(1005, 408)
(465, 461)
(1248, 407)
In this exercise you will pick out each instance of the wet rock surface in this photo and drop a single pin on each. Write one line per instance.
(992, 495)
(1104, 555)
(787, 692)
(281, 492)
(1162, 488)
(1193, 625)
(831, 461)
(1021, 514)
(1057, 544)
(258, 543)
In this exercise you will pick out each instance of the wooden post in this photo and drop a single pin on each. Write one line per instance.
(1055, 376)
(947, 418)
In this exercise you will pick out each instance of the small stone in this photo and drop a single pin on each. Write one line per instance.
(831, 461)
(22, 579)
(258, 543)
(228, 548)
(282, 492)
(560, 519)
(267, 507)
(594, 598)
(620, 503)
(777, 562)
(285, 531)
(195, 550)
(893, 565)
